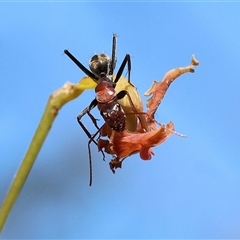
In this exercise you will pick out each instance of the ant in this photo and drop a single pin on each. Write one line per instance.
(106, 98)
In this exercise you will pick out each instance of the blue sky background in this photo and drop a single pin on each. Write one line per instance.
(191, 187)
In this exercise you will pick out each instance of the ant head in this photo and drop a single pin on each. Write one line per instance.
(100, 63)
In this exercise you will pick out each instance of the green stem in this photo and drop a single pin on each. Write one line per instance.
(27, 163)
(67, 93)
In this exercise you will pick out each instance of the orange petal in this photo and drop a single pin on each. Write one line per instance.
(127, 143)
(159, 89)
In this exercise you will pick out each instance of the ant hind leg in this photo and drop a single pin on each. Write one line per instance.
(126, 61)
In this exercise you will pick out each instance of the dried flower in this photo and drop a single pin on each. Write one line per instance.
(136, 139)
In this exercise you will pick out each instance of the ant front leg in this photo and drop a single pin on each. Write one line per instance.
(90, 155)
(87, 111)
(126, 60)
(84, 69)
(91, 137)
(94, 120)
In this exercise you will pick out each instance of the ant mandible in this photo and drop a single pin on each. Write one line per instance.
(106, 99)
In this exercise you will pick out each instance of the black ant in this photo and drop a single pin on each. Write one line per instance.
(106, 99)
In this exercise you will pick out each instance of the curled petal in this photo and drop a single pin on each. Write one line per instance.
(127, 143)
(146, 153)
(142, 132)
(159, 89)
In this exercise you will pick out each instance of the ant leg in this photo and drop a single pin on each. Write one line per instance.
(84, 69)
(86, 111)
(94, 120)
(90, 156)
(114, 54)
(129, 70)
(126, 60)
(91, 140)
(122, 94)
(90, 164)
(91, 137)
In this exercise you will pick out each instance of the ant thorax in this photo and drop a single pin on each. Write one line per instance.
(105, 92)
(100, 63)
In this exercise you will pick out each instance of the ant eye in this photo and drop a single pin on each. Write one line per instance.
(94, 58)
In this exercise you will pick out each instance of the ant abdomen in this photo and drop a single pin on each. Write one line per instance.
(113, 115)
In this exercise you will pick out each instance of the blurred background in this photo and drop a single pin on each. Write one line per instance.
(190, 188)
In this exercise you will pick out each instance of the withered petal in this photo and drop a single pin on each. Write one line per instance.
(126, 143)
